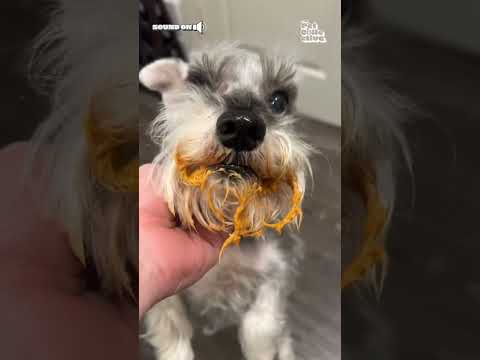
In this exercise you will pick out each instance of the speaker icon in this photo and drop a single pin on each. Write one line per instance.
(200, 27)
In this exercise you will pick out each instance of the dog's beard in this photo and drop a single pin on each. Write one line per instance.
(204, 183)
(366, 221)
(243, 195)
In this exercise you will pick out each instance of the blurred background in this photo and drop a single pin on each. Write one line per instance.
(429, 51)
(275, 26)
(22, 107)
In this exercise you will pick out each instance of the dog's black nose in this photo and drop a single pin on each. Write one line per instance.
(240, 130)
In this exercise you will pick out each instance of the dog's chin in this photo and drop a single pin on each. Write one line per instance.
(252, 169)
(236, 171)
(214, 204)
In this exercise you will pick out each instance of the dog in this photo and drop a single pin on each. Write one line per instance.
(230, 159)
(88, 142)
(373, 146)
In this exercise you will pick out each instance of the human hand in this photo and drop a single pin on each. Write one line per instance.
(47, 311)
(170, 259)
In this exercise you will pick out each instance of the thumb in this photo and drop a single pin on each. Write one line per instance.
(170, 258)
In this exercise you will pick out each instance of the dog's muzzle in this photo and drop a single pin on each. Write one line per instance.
(240, 130)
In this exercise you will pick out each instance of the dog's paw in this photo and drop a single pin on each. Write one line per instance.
(181, 351)
(286, 349)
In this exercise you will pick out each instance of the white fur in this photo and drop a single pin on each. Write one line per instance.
(164, 74)
(260, 279)
(250, 286)
(372, 119)
(169, 330)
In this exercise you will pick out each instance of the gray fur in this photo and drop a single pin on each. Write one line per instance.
(251, 284)
(210, 72)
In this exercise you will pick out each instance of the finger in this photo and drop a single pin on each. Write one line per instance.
(178, 251)
(205, 249)
(196, 254)
(172, 259)
(152, 207)
(215, 239)
(175, 261)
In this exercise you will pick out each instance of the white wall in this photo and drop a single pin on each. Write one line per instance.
(276, 25)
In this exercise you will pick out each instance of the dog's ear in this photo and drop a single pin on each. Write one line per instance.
(164, 75)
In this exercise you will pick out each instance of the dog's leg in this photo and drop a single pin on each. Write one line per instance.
(264, 326)
(285, 351)
(169, 331)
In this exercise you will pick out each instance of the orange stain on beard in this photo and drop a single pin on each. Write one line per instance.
(372, 252)
(255, 190)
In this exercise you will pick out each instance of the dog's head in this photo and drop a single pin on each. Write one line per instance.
(230, 158)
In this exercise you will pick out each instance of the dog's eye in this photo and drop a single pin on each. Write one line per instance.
(197, 78)
(278, 102)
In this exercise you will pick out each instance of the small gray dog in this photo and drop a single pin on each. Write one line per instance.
(231, 160)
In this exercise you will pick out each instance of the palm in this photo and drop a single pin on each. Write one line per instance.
(48, 314)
